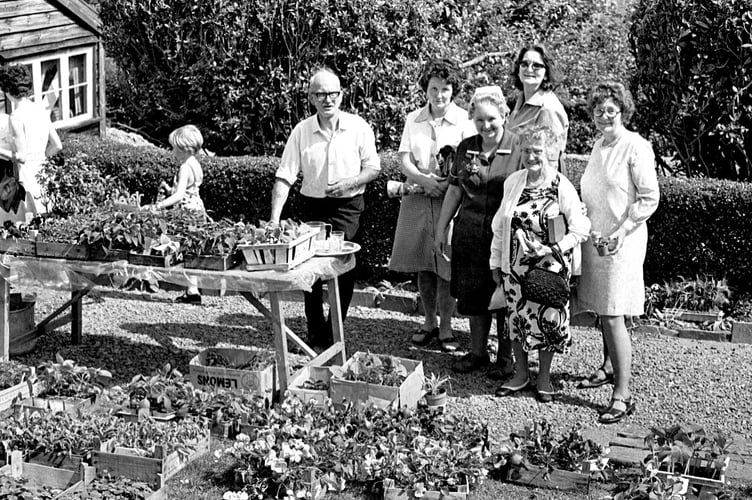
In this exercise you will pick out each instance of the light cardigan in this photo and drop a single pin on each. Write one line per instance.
(578, 225)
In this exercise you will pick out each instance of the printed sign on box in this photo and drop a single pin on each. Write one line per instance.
(263, 382)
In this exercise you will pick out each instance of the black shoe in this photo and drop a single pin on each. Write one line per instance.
(612, 415)
(470, 362)
(422, 337)
(507, 390)
(189, 298)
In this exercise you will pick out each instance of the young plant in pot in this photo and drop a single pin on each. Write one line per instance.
(435, 389)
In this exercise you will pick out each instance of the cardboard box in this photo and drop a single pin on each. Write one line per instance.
(262, 382)
(311, 373)
(406, 395)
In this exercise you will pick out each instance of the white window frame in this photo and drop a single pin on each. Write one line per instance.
(63, 56)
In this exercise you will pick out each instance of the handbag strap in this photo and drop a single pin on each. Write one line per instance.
(560, 259)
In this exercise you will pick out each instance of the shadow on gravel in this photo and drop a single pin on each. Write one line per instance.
(199, 336)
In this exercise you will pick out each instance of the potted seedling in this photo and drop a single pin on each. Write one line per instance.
(435, 389)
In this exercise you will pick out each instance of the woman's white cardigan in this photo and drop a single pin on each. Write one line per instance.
(578, 225)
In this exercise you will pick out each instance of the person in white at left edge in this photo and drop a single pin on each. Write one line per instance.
(428, 131)
(336, 153)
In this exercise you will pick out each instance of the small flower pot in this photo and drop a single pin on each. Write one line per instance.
(438, 400)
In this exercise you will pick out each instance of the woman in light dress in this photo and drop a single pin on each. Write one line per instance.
(620, 190)
(32, 139)
(521, 241)
(438, 125)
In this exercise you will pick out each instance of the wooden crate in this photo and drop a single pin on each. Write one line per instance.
(535, 476)
(63, 479)
(66, 461)
(154, 471)
(392, 492)
(319, 397)
(19, 392)
(212, 262)
(18, 246)
(279, 256)
(131, 415)
(406, 395)
(58, 250)
(109, 254)
(142, 259)
(261, 382)
(630, 449)
(53, 404)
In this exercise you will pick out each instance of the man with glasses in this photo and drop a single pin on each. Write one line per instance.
(336, 153)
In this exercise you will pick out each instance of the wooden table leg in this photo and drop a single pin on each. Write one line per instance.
(280, 342)
(250, 297)
(77, 308)
(4, 313)
(335, 312)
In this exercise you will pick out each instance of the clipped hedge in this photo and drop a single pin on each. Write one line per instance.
(699, 227)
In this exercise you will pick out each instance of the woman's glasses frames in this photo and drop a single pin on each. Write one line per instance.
(607, 112)
(533, 65)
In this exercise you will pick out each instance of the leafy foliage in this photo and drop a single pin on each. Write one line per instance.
(693, 82)
(13, 373)
(113, 488)
(377, 369)
(65, 378)
(239, 70)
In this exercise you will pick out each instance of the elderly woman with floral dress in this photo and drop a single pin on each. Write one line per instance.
(521, 241)
(439, 125)
(476, 182)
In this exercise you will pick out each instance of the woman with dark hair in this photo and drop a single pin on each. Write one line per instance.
(438, 126)
(476, 185)
(620, 190)
(32, 139)
(536, 77)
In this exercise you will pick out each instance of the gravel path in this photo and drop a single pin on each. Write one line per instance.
(707, 383)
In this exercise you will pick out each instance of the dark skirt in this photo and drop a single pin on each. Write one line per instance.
(472, 283)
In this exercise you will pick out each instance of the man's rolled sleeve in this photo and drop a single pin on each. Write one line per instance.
(369, 158)
(290, 164)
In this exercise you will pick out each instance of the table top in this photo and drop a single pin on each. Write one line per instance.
(71, 274)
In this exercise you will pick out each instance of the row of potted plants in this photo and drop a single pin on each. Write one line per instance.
(144, 237)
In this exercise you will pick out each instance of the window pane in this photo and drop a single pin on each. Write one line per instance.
(77, 97)
(77, 69)
(51, 87)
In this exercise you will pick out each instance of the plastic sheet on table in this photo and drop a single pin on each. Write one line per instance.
(72, 274)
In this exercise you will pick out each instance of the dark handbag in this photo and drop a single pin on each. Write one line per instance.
(546, 287)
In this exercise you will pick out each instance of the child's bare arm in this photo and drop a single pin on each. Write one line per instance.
(184, 177)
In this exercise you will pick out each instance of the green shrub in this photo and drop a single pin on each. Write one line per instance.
(238, 69)
(693, 82)
(701, 227)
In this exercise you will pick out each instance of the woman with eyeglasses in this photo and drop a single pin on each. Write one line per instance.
(535, 76)
(437, 127)
(620, 190)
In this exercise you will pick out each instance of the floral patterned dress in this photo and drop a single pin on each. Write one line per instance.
(533, 325)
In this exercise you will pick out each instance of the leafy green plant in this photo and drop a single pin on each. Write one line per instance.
(166, 390)
(113, 488)
(255, 360)
(64, 378)
(145, 435)
(13, 373)
(687, 449)
(22, 488)
(268, 233)
(372, 368)
(436, 384)
(694, 90)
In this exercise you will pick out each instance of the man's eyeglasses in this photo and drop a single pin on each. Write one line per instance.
(608, 113)
(321, 96)
(531, 64)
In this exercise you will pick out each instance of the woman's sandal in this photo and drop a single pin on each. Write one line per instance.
(449, 344)
(506, 390)
(422, 337)
(595, 380)
(612, 415)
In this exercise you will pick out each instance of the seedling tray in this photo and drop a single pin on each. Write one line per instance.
(392, 492)
(141, 259)
(18, 246)
(58, 250)
(212, 262)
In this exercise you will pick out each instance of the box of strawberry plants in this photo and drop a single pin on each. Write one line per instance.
(151, 451)
(208, 245)
(107, 487)
(311, 383)
(62, 238)
(65, 386)
(277, 246)
(17, 382)
(377, 379)
(18, 239)
(236, 370)
(19, 479)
